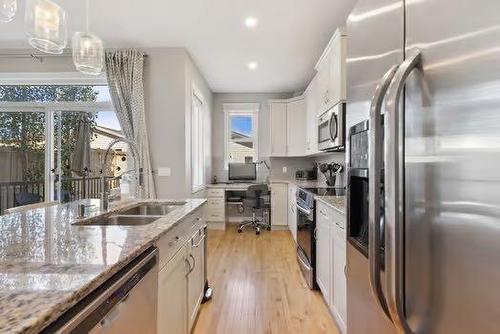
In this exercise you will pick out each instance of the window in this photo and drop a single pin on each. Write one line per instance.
(38, 136)
(241, 132)
(197, 149)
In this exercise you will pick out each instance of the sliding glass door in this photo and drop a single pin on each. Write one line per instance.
(22, 158)
(52, 142)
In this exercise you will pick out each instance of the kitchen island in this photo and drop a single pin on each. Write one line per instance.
(48, 264)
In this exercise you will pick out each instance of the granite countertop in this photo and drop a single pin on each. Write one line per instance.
(47, 264)
(337, 202)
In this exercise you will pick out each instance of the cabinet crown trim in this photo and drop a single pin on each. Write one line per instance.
(338, 33)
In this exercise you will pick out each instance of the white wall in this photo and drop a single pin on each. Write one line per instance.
(170, 75)
(218, 127)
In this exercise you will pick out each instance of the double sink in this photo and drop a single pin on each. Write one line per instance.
(140, 214)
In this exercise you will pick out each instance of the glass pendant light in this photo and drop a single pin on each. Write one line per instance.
(46, 26)
(88, 51)
(8, 10)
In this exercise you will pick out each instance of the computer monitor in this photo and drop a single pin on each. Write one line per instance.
(242, 171)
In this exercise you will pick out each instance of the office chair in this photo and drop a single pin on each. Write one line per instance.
(253, 198)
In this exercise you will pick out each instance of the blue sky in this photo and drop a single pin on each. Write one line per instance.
(242, 124)
(106, 118)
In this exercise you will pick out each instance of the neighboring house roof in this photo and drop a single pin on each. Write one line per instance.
(104, 136)
(235, 135)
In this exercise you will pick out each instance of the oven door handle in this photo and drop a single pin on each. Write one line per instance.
(304, 264)
(301, 209)
(374, 186)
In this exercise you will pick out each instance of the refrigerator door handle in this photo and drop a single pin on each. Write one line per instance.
(394, 191)
(374, 186)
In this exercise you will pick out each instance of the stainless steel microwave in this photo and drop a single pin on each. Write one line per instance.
(331, 129)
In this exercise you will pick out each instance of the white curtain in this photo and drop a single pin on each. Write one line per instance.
(125, 71)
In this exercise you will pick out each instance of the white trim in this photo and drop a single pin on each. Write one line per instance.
(196, 94)
(65, 106)
(338, 33)
(51, 78)
(241, 107)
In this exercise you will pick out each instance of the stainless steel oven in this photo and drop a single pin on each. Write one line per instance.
(306, 243)
(331, 127)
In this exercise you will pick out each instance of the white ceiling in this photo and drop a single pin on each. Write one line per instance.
(287, 42)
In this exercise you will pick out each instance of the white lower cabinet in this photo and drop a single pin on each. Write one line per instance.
(339, 279)
(196, 249)
(279, 204)
(323, 253)
(331, 260)
(181, 275)
(172, 295)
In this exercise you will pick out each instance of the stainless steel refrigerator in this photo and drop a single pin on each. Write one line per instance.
(432, 68)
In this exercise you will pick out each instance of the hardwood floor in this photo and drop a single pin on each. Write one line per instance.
(258, 287)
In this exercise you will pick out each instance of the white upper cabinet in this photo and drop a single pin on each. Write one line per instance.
(278, 129)
(294, 122)
(311, 117)
(288, 130)
(296, 130)
(331, 77)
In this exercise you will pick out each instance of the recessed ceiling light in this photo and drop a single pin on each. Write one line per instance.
(251, 22)
(252, 66)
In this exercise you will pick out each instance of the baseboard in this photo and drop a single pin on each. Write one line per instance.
(216, 226)
(339, 321)
(237, 220)
(279, 227)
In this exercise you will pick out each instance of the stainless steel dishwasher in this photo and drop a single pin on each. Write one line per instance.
(125, 304)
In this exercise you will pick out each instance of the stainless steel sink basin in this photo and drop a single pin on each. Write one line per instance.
(152, 209)
(119, 220)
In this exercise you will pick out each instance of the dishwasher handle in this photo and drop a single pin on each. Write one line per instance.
(101, 301)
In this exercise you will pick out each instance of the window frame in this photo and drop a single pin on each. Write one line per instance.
(240, 109)
(200, 135)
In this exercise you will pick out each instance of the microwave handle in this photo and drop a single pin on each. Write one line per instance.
(330, 126)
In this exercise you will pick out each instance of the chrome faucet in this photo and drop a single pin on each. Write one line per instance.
(138, 170)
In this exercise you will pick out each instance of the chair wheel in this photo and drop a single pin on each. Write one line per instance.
(257, 232)
(269, 228)
(239, 230)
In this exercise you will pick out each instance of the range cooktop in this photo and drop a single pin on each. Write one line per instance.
(326, 191)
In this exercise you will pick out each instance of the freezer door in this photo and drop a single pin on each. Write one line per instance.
(375, 44)
(452, 159)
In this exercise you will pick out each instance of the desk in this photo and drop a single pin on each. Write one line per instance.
(216, 202)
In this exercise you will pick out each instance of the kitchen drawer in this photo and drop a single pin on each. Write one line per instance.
(172, 241)
(215, 193)
(216, 204)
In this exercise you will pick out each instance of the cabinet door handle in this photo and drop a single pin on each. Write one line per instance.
(199, 242)
(189, 266)
(194, 262)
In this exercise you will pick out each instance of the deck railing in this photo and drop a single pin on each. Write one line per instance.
(73, 189)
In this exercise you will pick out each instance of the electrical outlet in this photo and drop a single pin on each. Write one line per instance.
(284, 169)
